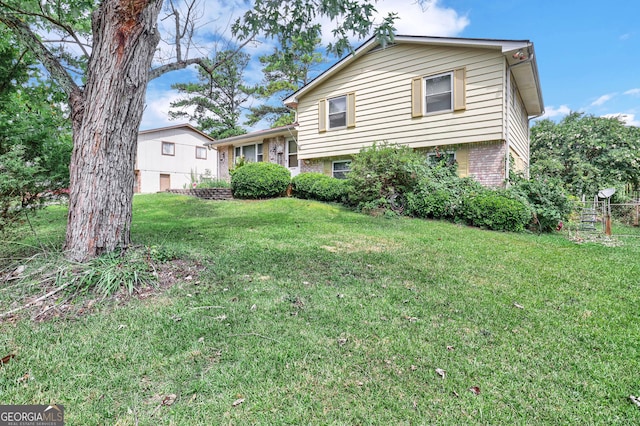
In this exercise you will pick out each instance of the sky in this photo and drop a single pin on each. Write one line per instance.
(588, 51)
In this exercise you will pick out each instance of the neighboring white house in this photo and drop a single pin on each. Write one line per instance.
(169, 158)
(468, 99)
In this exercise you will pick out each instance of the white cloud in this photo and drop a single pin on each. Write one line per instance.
(602, 99)
(430, 20)
(156, 110)
(413, 19)
(633, 92)
(628, 119)
(553, 112)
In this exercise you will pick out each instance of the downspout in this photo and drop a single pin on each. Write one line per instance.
(529, 136)
(506, 120)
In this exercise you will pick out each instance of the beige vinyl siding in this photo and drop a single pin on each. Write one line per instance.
(462, 158)
(382, 82)
(518, 127)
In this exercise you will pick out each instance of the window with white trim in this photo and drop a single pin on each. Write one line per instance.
(339, 169)
(444, 92)
(337, 112)
(168, 148)
(292, 153)
(436, 157)
(201, 153)
(439, 93)
(251, 153)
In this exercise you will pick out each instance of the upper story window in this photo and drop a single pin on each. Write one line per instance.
(337, 112)
(251, 153)
(201, 153)
(168, 148)
(439, 93)
(443, 92)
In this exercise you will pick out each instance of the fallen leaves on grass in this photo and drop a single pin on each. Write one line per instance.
(475, 390)
(167, 401)
(6, 359)
(237, 402)
(441, 372)
(519, 306)
(635, 400)
(450, 348)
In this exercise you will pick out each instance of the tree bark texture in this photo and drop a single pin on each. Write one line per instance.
(106, 116)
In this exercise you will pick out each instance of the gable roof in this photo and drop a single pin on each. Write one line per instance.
(520, 56)
(179, 126)
(257, 136)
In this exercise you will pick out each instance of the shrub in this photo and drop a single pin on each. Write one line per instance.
(439, 193)
(548, 199)
(21, 183)
(330, 189)
(317, 186)
(302, 184)
(213, 183)
(498, 210)
(382, 172)
(260, 180)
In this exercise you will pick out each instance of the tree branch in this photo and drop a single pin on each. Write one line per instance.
(50, 62)
(67, 28)
(181, 64)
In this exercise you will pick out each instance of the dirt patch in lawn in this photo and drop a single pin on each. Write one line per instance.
(69, 305)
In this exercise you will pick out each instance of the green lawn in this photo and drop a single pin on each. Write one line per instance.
(306, 313)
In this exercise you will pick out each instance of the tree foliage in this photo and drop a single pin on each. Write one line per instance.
(284, 73)
(586, 153)
(35, 143)
(214, 101)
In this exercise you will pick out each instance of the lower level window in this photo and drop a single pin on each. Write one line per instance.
(251, 153)
(446, 158)
(341, 168)
(292, 153)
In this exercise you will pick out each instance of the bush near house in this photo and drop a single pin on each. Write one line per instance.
(382, 175)
(547, 198)
(317, 186)
(439, 193)
(396, 180)
(260, 180)
(498, 210)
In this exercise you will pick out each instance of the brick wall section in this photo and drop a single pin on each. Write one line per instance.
(315, 166)
(486, 163)
(205, 193)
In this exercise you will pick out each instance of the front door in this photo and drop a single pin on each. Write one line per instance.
(292, 157)
(165, 182)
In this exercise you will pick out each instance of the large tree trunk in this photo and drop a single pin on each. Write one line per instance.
(106, 116)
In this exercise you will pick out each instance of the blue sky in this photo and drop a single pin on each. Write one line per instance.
(588, 51)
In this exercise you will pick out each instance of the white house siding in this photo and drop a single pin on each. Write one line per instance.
(381, 81)
(150, 163)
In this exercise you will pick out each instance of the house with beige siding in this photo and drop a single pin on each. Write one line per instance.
(168, 157)
(468, 99)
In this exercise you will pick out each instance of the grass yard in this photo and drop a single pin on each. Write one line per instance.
(297, 312)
